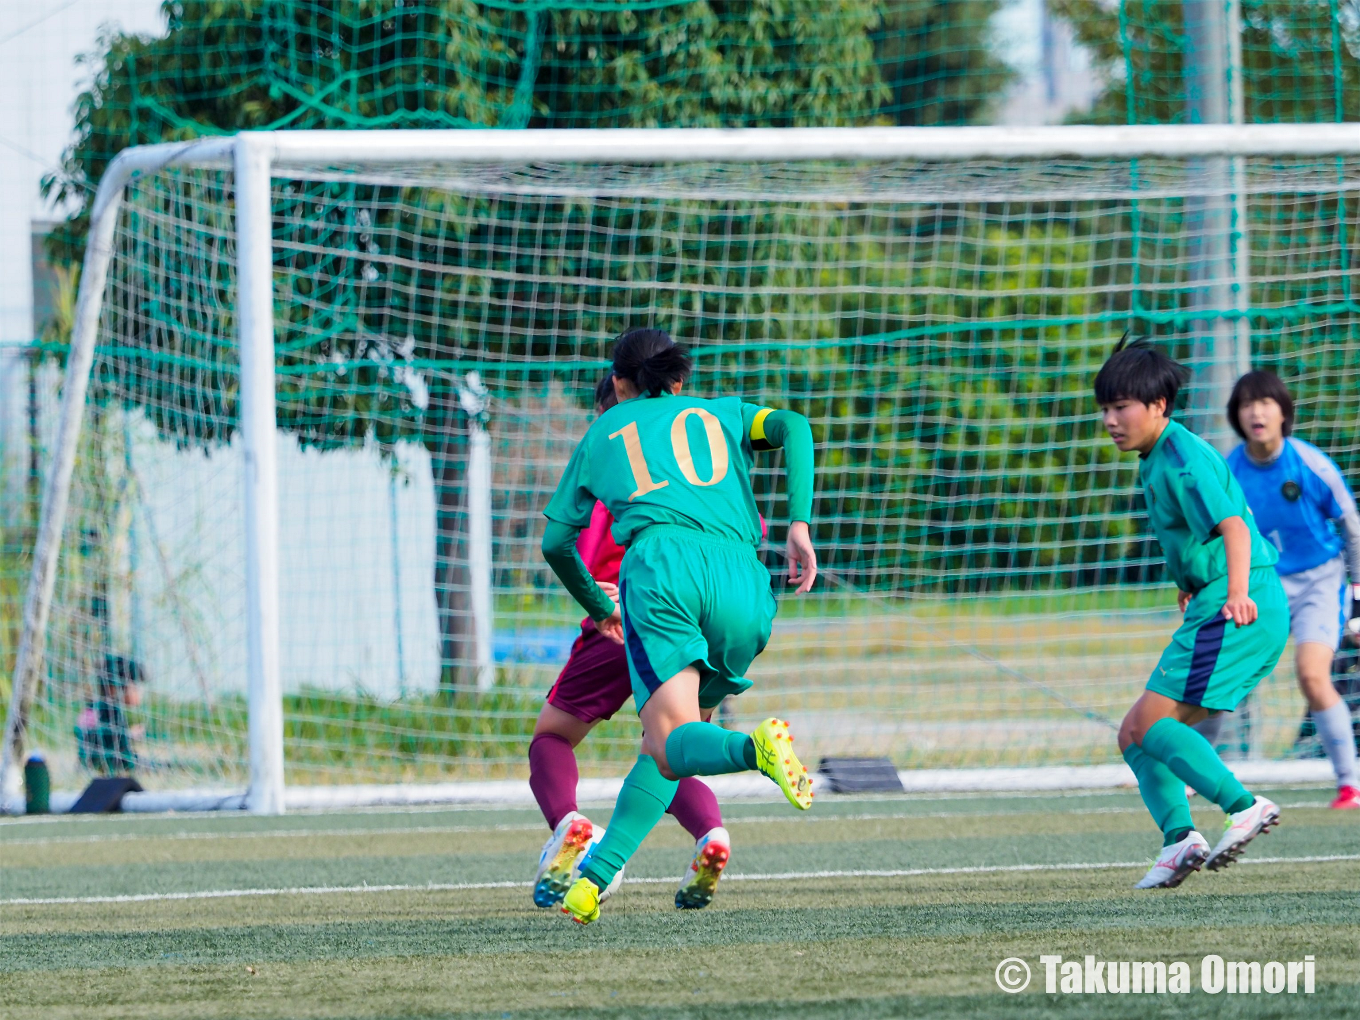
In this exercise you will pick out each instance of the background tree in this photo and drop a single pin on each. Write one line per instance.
(358, 326)
(386, 293)
(937, 59)
(1300, 64)
(1300, 59)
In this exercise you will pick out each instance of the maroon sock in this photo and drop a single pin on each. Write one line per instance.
(553, 775)
(695, 807)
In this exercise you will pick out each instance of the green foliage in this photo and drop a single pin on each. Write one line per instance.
(709, 63)
(944, 358)
(384, 285)
(1300, 59)
(15, 541)
(956, 460)
(228, 65)
(936, 59)
(233, 64)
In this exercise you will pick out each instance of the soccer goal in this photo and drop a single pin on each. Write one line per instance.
(321, 384)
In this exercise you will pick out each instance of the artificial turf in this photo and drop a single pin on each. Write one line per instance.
(855, 946)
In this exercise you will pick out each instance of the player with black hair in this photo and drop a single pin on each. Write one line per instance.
(1303, 505)
(592, 686)
(695, 603)
(1236, 615)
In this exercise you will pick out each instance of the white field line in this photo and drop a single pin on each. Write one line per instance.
(7, 822)
(124, 837)
(785, 876)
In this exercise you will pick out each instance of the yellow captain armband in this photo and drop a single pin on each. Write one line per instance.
(758, 424)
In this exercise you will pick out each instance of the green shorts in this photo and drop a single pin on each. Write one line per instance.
(1213, 662)
(692, 600)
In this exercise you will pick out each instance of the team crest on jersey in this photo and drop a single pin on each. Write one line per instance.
(1290, 490)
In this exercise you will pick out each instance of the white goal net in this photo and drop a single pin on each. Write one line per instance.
(440, 310)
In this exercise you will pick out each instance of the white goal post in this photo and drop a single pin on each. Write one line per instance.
(255, 157)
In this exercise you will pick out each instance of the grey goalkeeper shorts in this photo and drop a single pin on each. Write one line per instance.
(1319, 603)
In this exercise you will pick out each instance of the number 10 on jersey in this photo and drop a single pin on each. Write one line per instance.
(684, 457)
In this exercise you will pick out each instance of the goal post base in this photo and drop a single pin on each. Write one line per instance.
(749, 787)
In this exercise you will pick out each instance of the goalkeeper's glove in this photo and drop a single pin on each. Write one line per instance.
(1353, 624)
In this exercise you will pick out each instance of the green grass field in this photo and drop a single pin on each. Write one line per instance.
(917, 901)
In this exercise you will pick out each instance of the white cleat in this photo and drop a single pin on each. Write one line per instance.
(1240, 829)
(558, 862)
(711, 854)
(1175, 863)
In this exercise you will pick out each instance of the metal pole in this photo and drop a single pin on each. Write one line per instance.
(33, 488)
(255, 315)
(396, 580)
(133, 495)
(479, 552)
(472, 394)
(1215, 220)
(1219, 251)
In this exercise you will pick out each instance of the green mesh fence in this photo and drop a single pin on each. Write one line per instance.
(991, 594)
(1300, 59)
(939, 329)
(226, 65)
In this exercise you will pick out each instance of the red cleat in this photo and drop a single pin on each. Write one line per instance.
(1347, 799)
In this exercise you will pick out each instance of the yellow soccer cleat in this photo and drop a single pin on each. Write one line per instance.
(775, 758)
(582, 901)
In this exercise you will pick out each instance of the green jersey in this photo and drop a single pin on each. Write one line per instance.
(667, 460)
(1189, 490)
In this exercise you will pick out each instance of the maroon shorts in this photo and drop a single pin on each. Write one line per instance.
(594, 684)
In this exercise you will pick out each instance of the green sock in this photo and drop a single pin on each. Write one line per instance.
(702, 749)
(1194, 761)
(1163, 794)
(645, 796)
(1175, 836)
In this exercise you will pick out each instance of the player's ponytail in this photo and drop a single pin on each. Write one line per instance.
(605, 397)
(651, 360)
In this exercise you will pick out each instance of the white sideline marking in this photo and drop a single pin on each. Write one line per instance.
(785, 876)
(124, 837)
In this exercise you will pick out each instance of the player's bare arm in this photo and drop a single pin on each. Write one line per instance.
(1237, 545)
(612, 625)
(770, 429)
(802, 558)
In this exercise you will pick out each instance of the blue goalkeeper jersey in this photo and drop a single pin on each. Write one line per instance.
(1296, 498)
